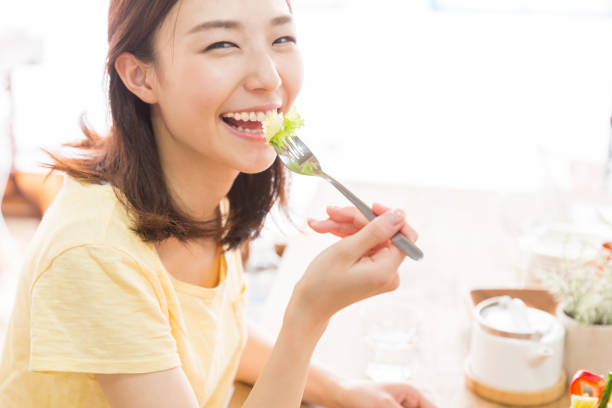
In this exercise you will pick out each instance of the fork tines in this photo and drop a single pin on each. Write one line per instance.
(294, 146)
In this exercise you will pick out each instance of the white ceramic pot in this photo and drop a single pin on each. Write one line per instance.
(514, 347)
(587, 347)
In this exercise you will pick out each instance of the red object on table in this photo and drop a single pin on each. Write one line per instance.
(594, 381)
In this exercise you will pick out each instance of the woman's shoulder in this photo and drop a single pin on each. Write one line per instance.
(83, 210)
(84, 214)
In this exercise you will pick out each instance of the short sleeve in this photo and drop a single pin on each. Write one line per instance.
(94, 310)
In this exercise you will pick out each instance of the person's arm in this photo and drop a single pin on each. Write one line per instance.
(282, 379)
(160, 389)
(345, 273)
(284, 369)
(339, 276)
(322, 387)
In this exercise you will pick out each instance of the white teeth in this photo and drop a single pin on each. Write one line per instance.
(249, 116)
(241, 129)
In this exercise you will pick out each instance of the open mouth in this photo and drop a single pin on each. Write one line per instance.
(248, 122)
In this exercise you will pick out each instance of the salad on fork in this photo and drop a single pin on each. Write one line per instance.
(280, 133)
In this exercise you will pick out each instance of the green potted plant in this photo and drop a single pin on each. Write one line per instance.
(584, 291)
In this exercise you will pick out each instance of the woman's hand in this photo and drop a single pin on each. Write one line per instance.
(345, 221)
(360, 265)
(368, 394)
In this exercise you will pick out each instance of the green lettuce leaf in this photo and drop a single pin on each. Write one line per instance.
(278, 128)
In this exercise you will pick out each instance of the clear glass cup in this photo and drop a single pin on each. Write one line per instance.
(390, 325)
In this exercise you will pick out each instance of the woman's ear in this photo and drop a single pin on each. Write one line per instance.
(137, 76)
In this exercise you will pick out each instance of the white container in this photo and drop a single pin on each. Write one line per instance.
(587, 347)
(514, 347)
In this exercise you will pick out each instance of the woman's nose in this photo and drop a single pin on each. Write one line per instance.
(264, 74)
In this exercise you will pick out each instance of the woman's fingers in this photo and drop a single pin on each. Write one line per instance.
(378, 208)
(407, 230)
(390, 256)
(380, 270)
(355, 267)
(377, 248)
(337, 228)
(372, 235)
(344, 221)
(349, 215)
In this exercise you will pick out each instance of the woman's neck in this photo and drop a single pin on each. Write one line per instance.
(196, 184)
(198, 189)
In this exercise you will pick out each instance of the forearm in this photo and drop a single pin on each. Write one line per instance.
(283, 376)
(321, 388)
(254, 356)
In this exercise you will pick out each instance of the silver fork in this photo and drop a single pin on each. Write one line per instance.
(297, 157)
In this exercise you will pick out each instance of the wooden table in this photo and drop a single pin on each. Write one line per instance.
(467, 244)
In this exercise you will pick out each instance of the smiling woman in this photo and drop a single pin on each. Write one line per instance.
(132, 294)
(128, 157)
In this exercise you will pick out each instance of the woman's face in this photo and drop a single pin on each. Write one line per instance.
(220, 57)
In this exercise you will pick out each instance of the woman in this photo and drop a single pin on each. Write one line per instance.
(132, 293)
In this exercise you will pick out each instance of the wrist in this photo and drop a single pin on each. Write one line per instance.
(301, 316)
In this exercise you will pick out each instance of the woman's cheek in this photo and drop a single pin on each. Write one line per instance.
(204, 92)
(292, 72)
(205, 82)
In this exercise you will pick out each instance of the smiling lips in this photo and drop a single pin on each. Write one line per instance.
(256, 125)
(250, 122)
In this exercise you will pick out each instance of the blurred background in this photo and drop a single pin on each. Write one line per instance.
(510, 96)
(464, 93)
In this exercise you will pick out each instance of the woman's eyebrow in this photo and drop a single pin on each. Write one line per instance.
(280, 20)
(236, 25)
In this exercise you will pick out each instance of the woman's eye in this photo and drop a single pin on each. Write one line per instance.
(285, 40)
(221, 44)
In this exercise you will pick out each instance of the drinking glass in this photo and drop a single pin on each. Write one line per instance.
(390, 324)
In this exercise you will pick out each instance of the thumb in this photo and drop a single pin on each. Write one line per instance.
(376, 232)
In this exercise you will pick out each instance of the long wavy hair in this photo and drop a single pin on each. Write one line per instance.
(128, 159)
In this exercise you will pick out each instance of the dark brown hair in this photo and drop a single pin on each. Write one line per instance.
(128, 159)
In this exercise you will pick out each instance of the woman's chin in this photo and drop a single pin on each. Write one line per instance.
(257, 166)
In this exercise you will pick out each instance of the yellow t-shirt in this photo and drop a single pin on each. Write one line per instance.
(94, 298)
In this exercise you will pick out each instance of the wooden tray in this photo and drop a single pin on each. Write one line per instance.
(520, 399)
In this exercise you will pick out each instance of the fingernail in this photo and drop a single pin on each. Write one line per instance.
(396, 216)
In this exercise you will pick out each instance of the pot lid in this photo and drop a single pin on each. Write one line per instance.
(508, 317)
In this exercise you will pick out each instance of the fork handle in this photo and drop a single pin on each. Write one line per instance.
(399, 239)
